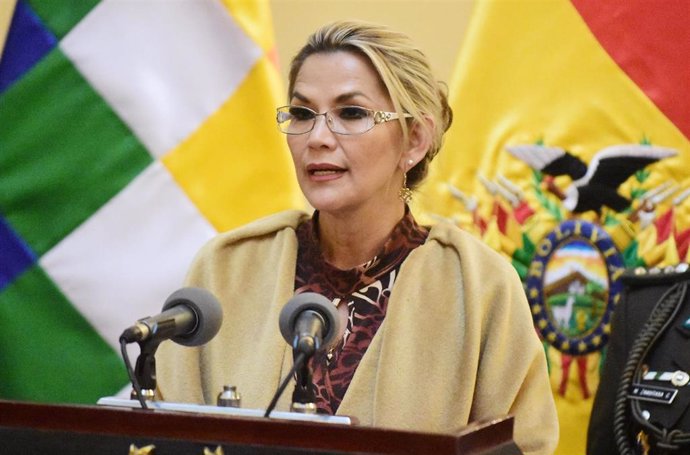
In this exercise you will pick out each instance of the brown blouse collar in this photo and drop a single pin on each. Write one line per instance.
(406, 236)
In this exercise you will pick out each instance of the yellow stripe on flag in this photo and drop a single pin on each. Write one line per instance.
(6, 11)
(237, 167)
(255, 19)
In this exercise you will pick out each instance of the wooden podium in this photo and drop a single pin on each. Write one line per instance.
(29, 428)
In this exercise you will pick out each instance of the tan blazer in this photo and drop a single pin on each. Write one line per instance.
(457, 344)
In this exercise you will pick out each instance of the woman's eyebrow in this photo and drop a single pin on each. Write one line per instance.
(349, 95)
(342, 98)
(300, 97)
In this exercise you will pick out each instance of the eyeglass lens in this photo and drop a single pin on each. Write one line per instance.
(340, 120)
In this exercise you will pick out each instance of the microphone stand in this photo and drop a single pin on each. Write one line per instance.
(145, 369)
(303, 397)
(307, 322)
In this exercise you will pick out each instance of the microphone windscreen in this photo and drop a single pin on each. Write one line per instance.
(209, 314)
(309, 301)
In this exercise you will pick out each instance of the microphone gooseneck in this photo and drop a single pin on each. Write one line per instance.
(190, 317)
(309, 322)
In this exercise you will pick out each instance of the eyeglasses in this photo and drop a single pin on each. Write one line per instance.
(346, 120)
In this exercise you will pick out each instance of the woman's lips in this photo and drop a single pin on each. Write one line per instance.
(324, 172)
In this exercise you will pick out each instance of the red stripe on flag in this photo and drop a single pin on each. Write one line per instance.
(650, 42)
(501, 217)
(682, 243)
(664, 226)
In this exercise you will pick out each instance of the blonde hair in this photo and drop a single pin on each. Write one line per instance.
(403, 69)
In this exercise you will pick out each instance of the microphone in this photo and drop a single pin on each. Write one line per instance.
(190, 317)
(309, 322)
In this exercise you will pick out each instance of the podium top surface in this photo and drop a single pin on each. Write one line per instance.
(226, 411)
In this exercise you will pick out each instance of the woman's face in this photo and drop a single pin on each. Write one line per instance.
(341, 173)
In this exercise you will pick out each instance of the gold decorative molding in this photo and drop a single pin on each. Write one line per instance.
(147, 450)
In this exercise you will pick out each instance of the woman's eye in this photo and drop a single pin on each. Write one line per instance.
(353, 113)
(300, 113)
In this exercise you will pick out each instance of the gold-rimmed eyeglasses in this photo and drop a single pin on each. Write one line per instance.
(347, 120)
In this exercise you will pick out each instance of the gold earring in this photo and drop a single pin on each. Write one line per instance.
(405, 194)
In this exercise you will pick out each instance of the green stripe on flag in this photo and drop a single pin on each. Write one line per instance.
(49, 352)
(64, 152)
(62, 15)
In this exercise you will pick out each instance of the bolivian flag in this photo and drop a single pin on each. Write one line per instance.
(579, 75)
(130, 133)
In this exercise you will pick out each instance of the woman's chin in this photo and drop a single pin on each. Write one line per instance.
(329, 203)
(327, 206)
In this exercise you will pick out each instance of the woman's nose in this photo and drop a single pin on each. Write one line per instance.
(321, 134)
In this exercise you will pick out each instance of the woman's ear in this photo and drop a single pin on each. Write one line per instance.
(419, 143)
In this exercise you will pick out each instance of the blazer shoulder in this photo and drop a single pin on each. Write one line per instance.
(468, 248)
(266, 226)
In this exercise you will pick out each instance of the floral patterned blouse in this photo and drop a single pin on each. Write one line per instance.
(365, 290)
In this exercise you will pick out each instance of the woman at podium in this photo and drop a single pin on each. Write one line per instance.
(436, 328)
